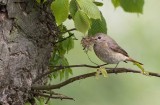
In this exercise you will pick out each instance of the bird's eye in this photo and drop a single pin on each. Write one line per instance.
(99, 37)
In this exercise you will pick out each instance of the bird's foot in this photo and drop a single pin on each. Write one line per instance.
(114, 69)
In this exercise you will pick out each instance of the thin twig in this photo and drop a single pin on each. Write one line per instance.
(73, 29)
(49, 97)
(109, 71)
(63, 39)
(54, 97)
(57, 68)
(49, 92)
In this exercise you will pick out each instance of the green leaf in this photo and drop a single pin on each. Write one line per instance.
(61, 74)
(73, 7)
(116, 3)
(60, 9)
(89, 8)
(139, 66)
(27, 103)
(98, 26)
(55, 75)
(103, 71)
(70, 71)
(68, 44)
(38, 1)
(65, 72)
(55, 61)
(98, 3)
(81, 21)
(61, 49)
(39, 101)
(135, 6)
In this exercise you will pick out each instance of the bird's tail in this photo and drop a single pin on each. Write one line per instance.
(134, 61)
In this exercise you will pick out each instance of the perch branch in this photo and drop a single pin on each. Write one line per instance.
(57, 68)
(70, 80)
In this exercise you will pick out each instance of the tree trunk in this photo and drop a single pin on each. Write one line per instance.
(26, 35)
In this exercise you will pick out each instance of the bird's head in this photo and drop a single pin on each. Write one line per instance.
(99, 38)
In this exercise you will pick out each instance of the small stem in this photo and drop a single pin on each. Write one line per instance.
(49, 97)
(54, 97)
(63, 39)
(73, 29)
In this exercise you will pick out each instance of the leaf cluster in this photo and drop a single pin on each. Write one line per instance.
(86, 15)
(63, 46)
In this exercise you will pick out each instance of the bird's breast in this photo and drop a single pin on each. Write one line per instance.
(105, 54)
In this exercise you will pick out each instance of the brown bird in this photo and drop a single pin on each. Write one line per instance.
(109, 51)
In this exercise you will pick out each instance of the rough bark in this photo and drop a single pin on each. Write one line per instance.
(26, 33)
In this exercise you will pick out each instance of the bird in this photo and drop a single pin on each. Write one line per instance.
(109, 51)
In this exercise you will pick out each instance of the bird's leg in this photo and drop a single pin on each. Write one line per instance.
(114, 69)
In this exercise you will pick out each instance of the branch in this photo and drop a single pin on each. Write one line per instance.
(63, 39)
(73, 29)
(66, 37)
(64, 67)
(54, 97)
(109, 71)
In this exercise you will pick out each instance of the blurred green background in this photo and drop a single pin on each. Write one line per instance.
(139, 35)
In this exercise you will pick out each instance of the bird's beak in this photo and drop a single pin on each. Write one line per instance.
(94, 38)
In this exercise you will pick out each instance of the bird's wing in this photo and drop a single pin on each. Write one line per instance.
(115, 47)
